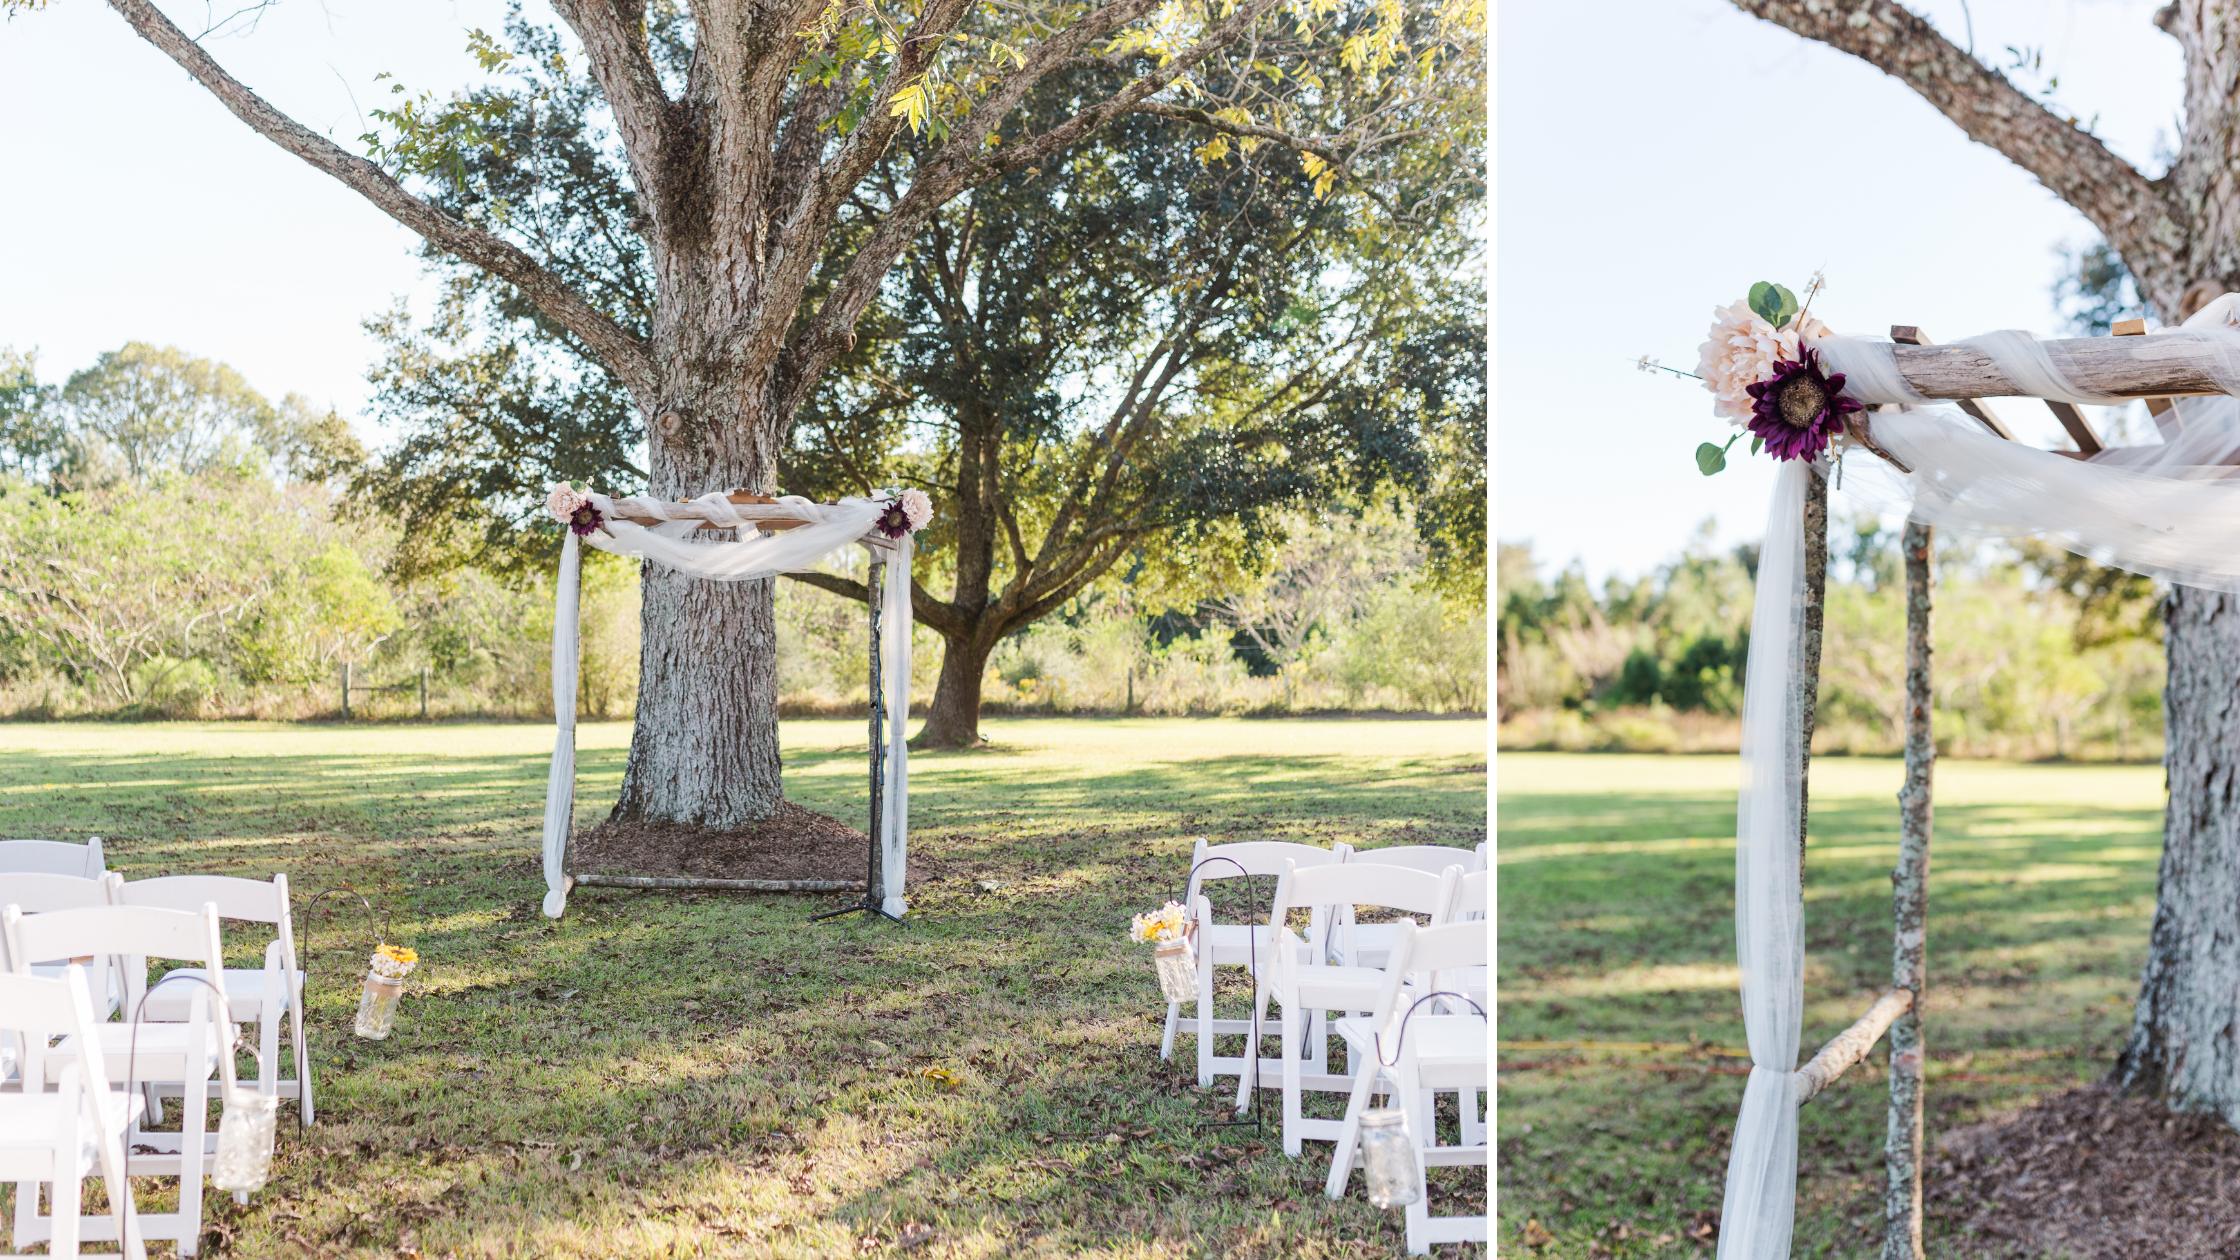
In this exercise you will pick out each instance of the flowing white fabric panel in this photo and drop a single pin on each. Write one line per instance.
(560, 785)
(894, 664)
(1768, 894)
(754, 555)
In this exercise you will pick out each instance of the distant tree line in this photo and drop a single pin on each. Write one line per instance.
(2039, 652)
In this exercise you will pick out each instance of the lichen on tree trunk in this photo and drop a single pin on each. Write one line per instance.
(2183, 1048)
(1901, 1206)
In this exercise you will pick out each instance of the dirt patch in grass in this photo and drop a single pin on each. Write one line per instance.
(796, 843)
(2092, 1174)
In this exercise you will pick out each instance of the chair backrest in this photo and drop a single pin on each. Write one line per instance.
(250, 900)
(1471, 896)
(38, 892)
(1431, 859)
(138, 933)
(1365, 884)
(1257, 857)
(53, 857)
(1446, 948)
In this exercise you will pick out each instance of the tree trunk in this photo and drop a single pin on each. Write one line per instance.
(954, 719)
(2182, 1047)
(704, 751)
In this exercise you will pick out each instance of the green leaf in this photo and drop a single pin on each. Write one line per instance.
(1764, 302)
(1757, 443)
(1711, 458)
(1773, 303)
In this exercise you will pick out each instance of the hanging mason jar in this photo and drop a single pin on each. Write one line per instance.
(245, 1133)
(377, 1004)
(1178, 970)
(1388, 1158)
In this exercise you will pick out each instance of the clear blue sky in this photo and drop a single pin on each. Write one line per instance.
(138, 208)
(1655, 157)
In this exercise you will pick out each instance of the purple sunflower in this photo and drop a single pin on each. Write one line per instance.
(585, 520)
(1801, 409)
(894, 522)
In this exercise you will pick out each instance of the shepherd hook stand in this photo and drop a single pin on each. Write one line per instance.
(870, 903)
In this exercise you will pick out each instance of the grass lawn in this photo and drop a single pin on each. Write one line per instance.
(664, 1075)
(1617, 934)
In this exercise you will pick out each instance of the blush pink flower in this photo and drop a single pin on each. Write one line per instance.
(1743, 351)
(564, 501)
(917, 507)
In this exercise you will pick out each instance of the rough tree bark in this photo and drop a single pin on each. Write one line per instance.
(2177, 234)
(740, 180)
(1909, 894)
(2183, 1033)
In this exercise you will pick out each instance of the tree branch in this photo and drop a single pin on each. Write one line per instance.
(955, 167)
(615, 44)
(2145, 227)
(1254, 131)
(616, 349)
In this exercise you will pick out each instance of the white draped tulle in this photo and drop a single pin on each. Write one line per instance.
(754, 555)
(894, 666)
(2169, 509)
(1768, 897)
(560, 785)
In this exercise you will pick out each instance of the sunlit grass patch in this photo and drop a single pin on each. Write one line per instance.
(664, 1075)
(1617, 909)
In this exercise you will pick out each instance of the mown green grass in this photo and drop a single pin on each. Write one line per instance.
(664, 1075)
(1617, 925)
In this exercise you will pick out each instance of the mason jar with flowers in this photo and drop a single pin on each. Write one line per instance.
(1171, 933)
(384, 987)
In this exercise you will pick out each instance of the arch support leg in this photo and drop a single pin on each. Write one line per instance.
(1910, 912)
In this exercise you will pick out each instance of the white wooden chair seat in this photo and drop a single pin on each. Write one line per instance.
(103, 1007)
(245, 993)
(29, 1121)
(163, 1052)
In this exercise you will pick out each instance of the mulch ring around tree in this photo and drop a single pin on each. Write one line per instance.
(2091, 1174)
(795, 843)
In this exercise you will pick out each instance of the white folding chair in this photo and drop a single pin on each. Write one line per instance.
(37, 892)
(146, 1055)
(54, 857)
(1369, 942)
(1232, 944)
(1306, 985)
(1411, 1049)
(58, 1138)
(259, 996)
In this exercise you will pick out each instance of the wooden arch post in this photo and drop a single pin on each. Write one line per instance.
(1909, 918)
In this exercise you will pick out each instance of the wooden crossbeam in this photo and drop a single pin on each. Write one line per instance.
(764, 512)
(1910, 335)
(2126, 367)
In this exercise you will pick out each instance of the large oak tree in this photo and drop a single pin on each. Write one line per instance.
(745, 130)
(2177, 233)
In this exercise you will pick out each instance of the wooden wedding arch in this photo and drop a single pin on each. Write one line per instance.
(2125, 364)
